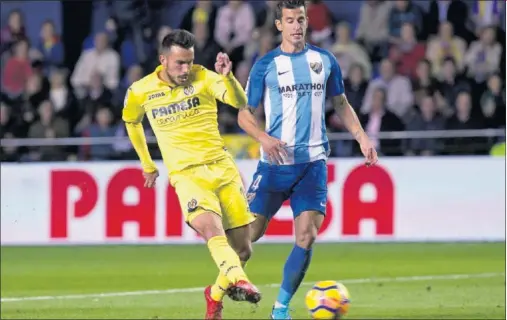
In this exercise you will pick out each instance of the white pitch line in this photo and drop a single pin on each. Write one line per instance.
(272, 285)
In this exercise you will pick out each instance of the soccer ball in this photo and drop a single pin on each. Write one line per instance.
(328, 300)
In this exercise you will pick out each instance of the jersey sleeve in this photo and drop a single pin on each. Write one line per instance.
(255, 83)
(226, 89)
(335, 85)
(133, 111)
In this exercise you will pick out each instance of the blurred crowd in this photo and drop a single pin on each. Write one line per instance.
(405, 68)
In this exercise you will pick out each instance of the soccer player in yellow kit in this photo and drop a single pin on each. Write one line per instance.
(179, 99)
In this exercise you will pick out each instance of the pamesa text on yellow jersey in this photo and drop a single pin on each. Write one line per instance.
(183, 118)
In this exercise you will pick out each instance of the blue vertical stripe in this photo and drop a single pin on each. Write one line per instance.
(301, 70)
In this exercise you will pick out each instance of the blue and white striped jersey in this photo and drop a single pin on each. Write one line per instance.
(293, 89)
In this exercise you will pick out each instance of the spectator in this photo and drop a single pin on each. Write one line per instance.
(134, 74)
(492, 104)
(130, 17)
(462, 120)
(407, 53)
(8, 122)
(443, 46)
(17, 70)
(97, 95)
(265, 18)
(355, 86)
(203, 12)
(102, 127)
(428, 119)
(101, 59)
(50, 47)
(320, 22)
(49, 126)
(13, 32)
(136, 50)
(162, 32)
(449, 87)
(404, 11)
(266, 44)
(373, 30)
(235, 24)
(400, 98)
(8, 129)
(62, 97)
(34, 93)
(483, 57)
(110, 28)
(423, 84)
(206, 49)
(334, 124)
(349, 52)
(453, 11)
(486, 14)
(380, 119)
(152, 64)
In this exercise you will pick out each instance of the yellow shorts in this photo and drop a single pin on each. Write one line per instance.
(215, 187)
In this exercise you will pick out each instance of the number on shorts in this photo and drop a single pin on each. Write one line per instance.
(255, 184)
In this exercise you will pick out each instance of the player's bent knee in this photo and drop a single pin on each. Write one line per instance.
(208, 225)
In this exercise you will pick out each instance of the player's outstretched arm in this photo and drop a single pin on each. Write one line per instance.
(353, 125)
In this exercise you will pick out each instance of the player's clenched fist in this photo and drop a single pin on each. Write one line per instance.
(274, 149)
(223, 65)
(150, 178)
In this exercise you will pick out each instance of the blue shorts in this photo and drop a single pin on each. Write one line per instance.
(304, 184)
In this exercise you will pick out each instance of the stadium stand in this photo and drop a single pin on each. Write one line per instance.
(408, 63)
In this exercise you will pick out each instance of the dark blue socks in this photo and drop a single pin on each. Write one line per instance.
(293, 273)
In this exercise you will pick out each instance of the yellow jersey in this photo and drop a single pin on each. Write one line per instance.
(183, 118)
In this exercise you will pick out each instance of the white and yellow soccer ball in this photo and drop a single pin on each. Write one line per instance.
(328, 300)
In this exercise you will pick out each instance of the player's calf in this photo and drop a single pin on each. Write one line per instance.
(239, 239)
(209, 225)
(258, 227)
(307, 225)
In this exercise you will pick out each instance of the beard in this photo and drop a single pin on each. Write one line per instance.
(177, 80)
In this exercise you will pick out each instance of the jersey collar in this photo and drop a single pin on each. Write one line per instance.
(159, 81)
(305, 49)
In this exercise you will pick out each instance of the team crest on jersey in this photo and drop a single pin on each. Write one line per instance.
(188, 90)
(316, 67)
(192, 205)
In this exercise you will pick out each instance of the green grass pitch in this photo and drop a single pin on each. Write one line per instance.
(386, 281)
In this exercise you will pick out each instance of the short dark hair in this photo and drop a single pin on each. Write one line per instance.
(179, 37)
(288, 4)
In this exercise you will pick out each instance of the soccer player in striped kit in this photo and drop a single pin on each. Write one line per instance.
(292, 82)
